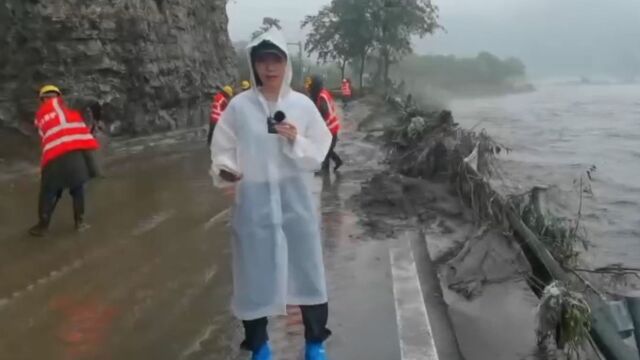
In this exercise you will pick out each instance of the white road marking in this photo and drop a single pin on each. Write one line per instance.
(414, 328)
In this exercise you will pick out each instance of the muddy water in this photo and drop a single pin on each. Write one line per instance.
(148, 280)
(556, 134)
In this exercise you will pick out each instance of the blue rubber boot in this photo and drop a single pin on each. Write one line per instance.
(315, 351)
(263, 354)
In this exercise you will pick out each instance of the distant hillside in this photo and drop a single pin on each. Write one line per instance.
(486, 74)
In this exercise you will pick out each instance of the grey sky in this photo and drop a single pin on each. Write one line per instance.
(563, 36)
(245, 16)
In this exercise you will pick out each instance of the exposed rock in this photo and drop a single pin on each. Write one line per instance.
(151, 64)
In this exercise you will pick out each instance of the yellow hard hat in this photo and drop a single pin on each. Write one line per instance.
(50, 88)
(245, 85)
(228, 89)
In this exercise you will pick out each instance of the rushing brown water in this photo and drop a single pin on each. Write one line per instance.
(556, 134)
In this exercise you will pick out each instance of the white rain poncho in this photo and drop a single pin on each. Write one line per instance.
(277, 250)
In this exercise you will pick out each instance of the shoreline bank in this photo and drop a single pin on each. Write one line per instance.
(463, 254)
(422, 144)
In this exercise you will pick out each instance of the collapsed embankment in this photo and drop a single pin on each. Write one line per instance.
(496, 254)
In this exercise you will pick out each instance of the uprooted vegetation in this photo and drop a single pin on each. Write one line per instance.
(428, 144)
(564, 318)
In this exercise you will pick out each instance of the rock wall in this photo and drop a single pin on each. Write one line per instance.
(151, 64)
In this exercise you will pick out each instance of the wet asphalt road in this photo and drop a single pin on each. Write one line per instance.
(151, 278)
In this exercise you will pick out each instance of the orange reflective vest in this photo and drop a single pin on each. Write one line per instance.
(218, 106)
(62, 130)
(331, 119)
(346, 89)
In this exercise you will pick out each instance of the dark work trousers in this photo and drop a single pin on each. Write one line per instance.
(345, 102)
(212, 127)
(314, 318)
(331, 155)
(49, 199)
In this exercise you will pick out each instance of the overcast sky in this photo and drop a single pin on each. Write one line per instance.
(563, 36)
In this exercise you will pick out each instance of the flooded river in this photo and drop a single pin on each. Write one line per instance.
(556, 134)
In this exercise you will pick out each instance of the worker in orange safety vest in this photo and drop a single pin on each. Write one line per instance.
(346, 91)
(327, 107)
(67, 148)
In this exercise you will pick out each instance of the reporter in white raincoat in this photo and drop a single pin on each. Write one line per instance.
(277, 249)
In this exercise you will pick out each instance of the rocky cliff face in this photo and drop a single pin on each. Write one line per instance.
(152, 64)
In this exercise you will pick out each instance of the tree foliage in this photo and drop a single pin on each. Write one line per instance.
(324, 39)
(485, 73)
(399, 21)
(352, 29)
(341, 31)
(267, 23)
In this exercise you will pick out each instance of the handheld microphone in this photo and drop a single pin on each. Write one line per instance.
(278, 117)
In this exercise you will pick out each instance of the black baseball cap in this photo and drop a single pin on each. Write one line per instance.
(267, 47)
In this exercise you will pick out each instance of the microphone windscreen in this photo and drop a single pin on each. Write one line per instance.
(279, 116)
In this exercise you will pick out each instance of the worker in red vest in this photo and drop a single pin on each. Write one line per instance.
(67, 146)
(219, 104)
(327, 107)
(346, 91)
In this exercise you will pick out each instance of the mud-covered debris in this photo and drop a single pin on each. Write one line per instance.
(384, 192)
(486, 258)
(565, 317)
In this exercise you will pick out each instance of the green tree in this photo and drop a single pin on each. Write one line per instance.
(397, 22)
(482, 74)
(325, 40)
(341, 31)
(267, 24)
(515, 68)
(358, 30)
